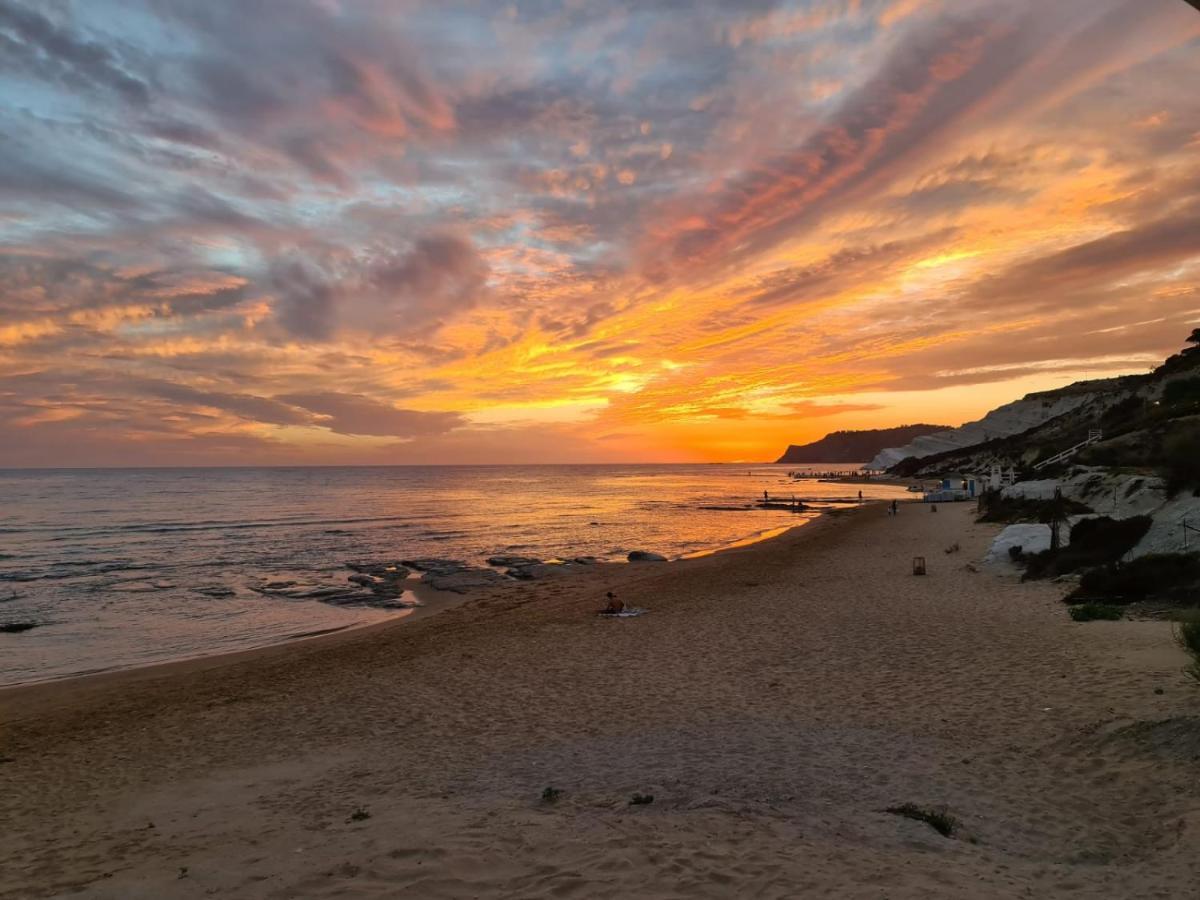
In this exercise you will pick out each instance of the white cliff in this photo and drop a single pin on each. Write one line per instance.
(1012, 418)
(1120, 496)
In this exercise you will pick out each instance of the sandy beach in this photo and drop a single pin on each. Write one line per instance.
(774, 701)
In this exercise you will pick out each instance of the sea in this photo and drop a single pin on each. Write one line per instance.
(120, 568)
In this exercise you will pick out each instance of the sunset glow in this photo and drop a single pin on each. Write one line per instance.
(358, 231)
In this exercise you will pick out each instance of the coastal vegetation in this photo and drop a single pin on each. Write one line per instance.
(1094, 542)
(1187, 633)
(1169, 577)
(1089, 612)
(996, 507)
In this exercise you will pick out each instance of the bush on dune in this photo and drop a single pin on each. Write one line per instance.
(1188, 635)
(1181, 461)
(1094, 542)
(1167, 576)
(995, 507)
(1091, 612)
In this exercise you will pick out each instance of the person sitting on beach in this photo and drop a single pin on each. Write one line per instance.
(615, 605)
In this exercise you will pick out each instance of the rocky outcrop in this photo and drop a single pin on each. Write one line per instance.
(463, 580)
(509, 562)
(855, 446)
(18, 627)
(1027, 537)
(645, 556)
(377, 584)
(434, 564)
(1012, 418)
(1121, 495)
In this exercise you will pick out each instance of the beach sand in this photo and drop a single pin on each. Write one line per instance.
(774, 701)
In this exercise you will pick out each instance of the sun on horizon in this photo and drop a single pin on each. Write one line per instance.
(334, 232)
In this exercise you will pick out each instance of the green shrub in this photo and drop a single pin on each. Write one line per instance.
(1188, 358)
(995, 507)
(1182, 391)
(1181, 461)
(1123, 415)
(1094, 542)
(1166, 576)
(1089, 612)
(1188, 635)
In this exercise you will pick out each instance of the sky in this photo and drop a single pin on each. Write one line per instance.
(369, 232)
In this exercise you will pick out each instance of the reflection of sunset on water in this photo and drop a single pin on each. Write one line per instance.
(141, 566)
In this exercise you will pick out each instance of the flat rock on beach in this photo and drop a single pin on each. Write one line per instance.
(779, 700)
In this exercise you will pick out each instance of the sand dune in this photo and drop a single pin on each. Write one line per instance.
(774, 701)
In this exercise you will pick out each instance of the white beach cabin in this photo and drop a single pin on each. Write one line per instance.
(952, 489)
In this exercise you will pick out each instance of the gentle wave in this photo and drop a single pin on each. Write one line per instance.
(169, 527)
(129, 567)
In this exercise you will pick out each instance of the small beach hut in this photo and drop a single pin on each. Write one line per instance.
(953, 488)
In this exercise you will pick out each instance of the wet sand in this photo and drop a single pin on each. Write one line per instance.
(774, 701)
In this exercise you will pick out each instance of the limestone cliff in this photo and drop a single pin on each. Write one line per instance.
(854, 446)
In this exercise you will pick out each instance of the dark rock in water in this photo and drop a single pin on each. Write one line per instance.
(364, 580)
(17, 627)
(379, 569)
(435, 564)
(538, 570)
(463, 579)
(217, 592)
(278, 585)
(645, 556)
(395, 604)
(552, 570)
(511, 562)
(333, 595)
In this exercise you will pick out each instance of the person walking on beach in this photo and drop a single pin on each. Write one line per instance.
(860, 496)
(765, 497)
(895, 508)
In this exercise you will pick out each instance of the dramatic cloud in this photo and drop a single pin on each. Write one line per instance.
(302, 230)
(355, 414)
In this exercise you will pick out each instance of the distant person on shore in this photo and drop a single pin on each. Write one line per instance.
(860, 496)
(765, 497)
(895, 508)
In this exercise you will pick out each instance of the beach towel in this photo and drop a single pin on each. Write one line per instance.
(623, 614)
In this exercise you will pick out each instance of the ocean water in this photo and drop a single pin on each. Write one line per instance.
(126, 567)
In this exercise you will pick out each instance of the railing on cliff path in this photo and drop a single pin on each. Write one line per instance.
(1095, 435)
